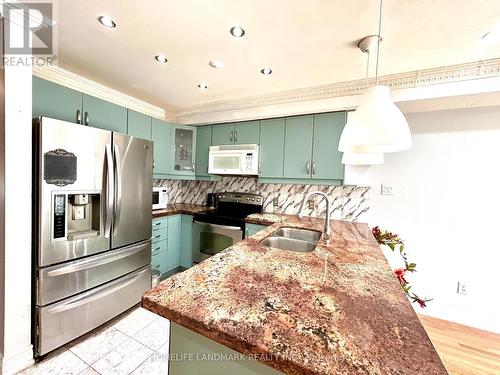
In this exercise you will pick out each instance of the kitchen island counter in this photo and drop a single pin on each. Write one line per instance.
(338, 309)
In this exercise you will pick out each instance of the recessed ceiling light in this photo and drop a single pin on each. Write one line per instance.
(107, 21)
(216, 64)
(161, 58)
(202, 86)
(266, 71)
(237, 31)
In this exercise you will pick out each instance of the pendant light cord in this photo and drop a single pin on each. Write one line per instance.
(378, 41)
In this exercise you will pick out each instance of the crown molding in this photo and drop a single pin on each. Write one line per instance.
(329, 97)
(74, 81)
(414, 79)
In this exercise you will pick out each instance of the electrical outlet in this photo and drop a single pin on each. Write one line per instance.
(462, 288)
(386, 190)
(275, 202)
(310, 204)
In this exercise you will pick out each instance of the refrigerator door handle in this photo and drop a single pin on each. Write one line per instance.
(110, 188)
(118, 190)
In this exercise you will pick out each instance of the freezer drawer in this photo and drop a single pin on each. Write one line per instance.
(64, 280)
(64, 321)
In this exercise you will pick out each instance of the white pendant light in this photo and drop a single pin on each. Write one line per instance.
(362, 158)
(377, 125)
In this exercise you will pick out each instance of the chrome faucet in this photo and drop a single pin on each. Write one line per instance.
(326, 231)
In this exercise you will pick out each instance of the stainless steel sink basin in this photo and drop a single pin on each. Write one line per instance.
(293, 239)
(289, 244)
(298, 234)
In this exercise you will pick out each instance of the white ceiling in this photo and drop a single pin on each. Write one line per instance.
(305, 42)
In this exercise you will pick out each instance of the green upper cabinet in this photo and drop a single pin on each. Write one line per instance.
(239, 133)
(105, 115)
(203, 143)
(53, 100)
(327, 159)
(272, 144)
(138, 125)
(160, 135)
(246, 132)
(223, 134)
(298, 147)
(183, 150)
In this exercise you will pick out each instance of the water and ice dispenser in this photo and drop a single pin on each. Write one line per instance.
(76, 216)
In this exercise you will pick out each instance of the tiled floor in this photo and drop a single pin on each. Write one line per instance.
(134, 343)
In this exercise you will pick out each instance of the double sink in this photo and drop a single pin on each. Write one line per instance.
(293, 239)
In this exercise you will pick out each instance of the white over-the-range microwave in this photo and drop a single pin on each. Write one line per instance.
(234, 160)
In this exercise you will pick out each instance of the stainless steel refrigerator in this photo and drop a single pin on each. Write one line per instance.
(92, 228)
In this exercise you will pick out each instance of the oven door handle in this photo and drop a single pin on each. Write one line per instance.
(227, 227)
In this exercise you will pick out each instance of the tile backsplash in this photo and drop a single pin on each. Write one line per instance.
(348, 202)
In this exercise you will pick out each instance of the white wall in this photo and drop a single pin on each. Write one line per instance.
(17, 296)
(446, 205)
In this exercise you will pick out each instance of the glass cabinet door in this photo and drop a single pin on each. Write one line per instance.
(184, 142)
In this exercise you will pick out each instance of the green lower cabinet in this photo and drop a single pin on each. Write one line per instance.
(160, 135)
(186, 241)
(272, 144)
(55, 101)
(159, 245)
(138, 125)
(159, 262)
(197, 354)
(246, 132)
(251, 229)
(174, 242)
(203, 143)
(101, 114)
(327, 159)
(298, 146)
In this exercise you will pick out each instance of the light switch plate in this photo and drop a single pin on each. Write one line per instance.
(275, 202)
(386, 190)
(310, 204)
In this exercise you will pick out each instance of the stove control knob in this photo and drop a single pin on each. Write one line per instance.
(253, 199)
(248, 199)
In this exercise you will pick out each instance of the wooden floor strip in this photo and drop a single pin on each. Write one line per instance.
(464, 350)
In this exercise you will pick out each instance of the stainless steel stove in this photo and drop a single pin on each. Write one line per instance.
(216, 230)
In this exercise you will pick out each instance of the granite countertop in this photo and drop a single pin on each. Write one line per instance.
(336, 310)
(181, 208)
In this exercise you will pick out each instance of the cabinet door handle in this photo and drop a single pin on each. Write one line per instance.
(158, 248)
(193, 165)
(236, 136)
(231, 135)
(86, 118)
(78, 117)
(308, 167)
(154, 163)
(314, 168)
